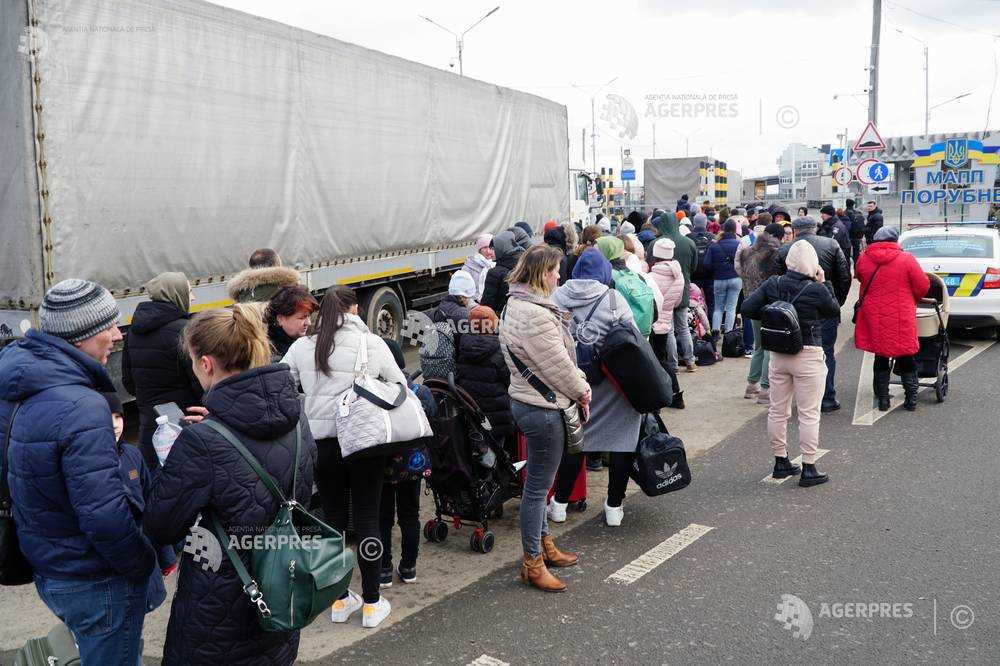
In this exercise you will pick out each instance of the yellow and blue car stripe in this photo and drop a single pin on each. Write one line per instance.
(963, 284)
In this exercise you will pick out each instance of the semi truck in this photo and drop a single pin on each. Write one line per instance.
(176, 135)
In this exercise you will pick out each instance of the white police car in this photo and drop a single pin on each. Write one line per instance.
(967, 257)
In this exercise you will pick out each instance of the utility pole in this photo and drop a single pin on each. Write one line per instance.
(927, 94)
(873, 64)
(583, 146)
(654, 141)
(593, 135)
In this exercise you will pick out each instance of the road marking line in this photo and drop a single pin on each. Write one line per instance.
(796, 461)
(486, 660)
(865, 415)
(658, 554)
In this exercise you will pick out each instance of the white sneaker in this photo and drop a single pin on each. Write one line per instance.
(342, 609)
(613, 515)
(373, 614)
(556, 511)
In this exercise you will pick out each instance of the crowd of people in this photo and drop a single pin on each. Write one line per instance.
(101, 522)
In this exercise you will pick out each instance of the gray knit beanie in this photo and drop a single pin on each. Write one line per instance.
(75, 310)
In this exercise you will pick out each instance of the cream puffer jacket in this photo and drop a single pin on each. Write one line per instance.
(535, 333)
(323, 392)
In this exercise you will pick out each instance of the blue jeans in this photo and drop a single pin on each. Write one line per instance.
(829, 340)
(683, 345)
(727, 293)
(545, 436)
(105, 615)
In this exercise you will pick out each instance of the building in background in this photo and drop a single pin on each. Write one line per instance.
(798, 163)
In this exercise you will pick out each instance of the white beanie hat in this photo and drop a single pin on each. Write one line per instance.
(605, 225)
(664, 248)
(462, 284)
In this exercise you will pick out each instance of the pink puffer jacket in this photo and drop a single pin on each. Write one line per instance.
(670, 278)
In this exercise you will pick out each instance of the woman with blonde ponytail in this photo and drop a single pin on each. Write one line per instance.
(211, 618)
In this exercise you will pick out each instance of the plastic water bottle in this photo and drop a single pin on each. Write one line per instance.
(163, 438)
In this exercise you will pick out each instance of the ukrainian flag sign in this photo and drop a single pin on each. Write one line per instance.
(956, 153)
(954, 176)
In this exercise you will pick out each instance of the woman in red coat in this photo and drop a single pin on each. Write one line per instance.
(891, 284)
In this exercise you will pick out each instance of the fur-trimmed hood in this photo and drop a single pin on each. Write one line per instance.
(260, 284)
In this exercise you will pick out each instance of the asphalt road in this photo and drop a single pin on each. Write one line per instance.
(894, 560)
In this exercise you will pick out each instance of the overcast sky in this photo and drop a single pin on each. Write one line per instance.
(778, 63)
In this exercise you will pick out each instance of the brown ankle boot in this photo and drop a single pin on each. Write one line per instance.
(533, 572)
(555, 557)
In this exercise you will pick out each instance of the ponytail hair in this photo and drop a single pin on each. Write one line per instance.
(236, 338)
(332, 313)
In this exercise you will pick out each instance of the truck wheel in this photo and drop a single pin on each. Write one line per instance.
(385, 314)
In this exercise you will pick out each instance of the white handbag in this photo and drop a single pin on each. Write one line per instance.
(374, 414)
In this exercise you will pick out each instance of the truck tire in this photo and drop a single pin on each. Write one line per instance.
(384, 313)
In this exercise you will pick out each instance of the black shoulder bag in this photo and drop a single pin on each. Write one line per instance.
(861, 298)
(14, 568)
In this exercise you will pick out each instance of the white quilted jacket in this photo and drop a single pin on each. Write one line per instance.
(323, 392)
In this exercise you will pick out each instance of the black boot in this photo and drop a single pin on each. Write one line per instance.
(910, 386)
(881, 387)
(784, 468)
(811, 476)
(678, 401)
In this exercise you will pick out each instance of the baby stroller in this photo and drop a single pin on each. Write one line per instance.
(932, 331)
(471, 472)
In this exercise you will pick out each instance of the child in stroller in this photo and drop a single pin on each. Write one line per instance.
(472, 474)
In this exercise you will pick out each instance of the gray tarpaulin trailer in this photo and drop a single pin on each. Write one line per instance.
(143, 136)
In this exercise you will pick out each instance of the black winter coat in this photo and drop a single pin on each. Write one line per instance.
(813, 305)
(833, 261)
(155, 369)
(212, 620)
(856, 224)
(874, 223)
(483, 372)
(838, 231)
(495, 287)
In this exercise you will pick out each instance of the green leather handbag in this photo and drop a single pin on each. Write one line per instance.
(299, 566)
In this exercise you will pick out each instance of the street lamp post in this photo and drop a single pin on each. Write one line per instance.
(927, 82)
(687, 141)
(593, 120)
(460, 39)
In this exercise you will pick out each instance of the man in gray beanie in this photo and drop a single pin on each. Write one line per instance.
(837, 273)
(75, 523)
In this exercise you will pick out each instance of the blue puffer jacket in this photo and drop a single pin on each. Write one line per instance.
(72, 508)
(720, 258)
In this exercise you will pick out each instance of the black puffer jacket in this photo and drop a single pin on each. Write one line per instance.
(155, 369)
(483, 372)
(212, 620)
(495, 288)
(813, 305)
(874, 223)
(833, 261)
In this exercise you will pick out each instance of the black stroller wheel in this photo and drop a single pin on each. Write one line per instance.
(435, 531)
(941, 386)
(486, 542)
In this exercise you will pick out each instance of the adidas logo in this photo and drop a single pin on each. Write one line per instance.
(667, 471)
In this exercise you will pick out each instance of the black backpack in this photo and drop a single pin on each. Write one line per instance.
(702, 241)
(779, 325)
(587, 353)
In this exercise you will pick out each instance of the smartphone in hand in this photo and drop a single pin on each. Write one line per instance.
(171, 411)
